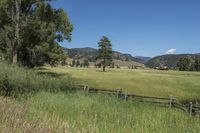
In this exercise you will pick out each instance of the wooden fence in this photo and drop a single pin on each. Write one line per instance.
(170, 102)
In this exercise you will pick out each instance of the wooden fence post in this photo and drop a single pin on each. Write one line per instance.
(126, 96)
(84, 88)
(173, 100)
(88, 89)
(119, 93)
(191, 108)
(170, 102)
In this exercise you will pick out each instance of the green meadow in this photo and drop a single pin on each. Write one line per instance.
(43, 100)
(183, 85)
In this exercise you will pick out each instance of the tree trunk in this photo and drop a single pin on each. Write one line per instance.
(104, 65)
(104, 68)
(17, 30)
(14, 56)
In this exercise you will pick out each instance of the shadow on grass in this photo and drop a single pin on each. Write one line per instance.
(109, 70)
(41, 68)
(53, 74)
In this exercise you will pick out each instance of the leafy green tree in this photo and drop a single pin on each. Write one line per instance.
(86, 63)
(184, 64)
(63, 58)
(30, 27)
(10, 28)
(55, 55)
(105, 51)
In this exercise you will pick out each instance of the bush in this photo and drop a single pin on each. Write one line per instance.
(16, 81)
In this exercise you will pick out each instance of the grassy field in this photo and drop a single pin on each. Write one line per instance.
(77, 112)
(41, 100)
(182, 85)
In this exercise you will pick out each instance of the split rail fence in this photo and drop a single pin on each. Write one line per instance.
(171, 102)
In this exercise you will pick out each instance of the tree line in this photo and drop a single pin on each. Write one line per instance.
(189, 64)
(77, 63)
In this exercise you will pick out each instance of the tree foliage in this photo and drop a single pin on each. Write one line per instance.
(86, 63)
(41, 28)
(105, 51)
(184, 64)
(189, 64)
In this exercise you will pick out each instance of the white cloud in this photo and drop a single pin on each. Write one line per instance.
(171, 51)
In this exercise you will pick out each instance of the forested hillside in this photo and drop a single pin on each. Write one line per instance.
(168, 60)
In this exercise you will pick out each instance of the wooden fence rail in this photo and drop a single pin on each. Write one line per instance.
(170, 102)
(159, 98)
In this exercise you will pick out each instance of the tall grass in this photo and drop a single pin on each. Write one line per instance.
(15, 81)
(78, 112)
(18, 118)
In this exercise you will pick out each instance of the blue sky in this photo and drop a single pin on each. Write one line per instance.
(138, 27)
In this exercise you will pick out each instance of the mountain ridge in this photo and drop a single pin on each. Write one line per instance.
(91, 54)
(169, 60)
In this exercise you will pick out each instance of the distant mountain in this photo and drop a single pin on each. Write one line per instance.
(122, 59)
(91, 54)
(167, 60)
(145, 59)
(82, 53)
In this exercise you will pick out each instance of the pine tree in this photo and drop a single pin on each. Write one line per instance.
(105, 51)
(77, 63)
